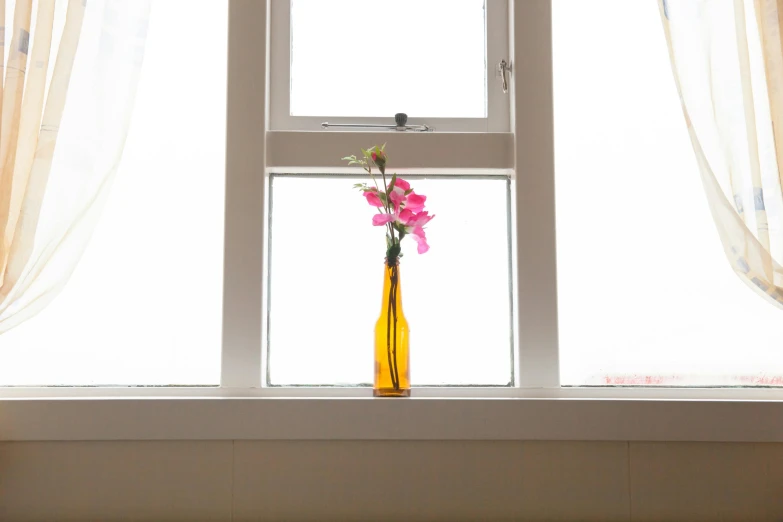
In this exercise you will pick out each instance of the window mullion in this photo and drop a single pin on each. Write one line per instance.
(244, 230)
(531, 99)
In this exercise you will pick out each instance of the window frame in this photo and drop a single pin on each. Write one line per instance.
(308, 152)
(496, 42)
(537, 408)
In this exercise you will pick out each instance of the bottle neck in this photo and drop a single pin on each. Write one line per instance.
(391, 286)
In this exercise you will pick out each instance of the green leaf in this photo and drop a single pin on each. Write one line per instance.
(391, 183)
(393, 251)
(408, 191)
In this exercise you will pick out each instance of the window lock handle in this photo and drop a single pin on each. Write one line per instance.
(504, 68)
(400, 124)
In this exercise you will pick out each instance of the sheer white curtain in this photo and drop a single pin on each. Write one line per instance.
(71, 68)
(727, 60)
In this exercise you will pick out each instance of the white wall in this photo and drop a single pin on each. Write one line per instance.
(406, 480)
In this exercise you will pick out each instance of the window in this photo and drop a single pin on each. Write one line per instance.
(646, 296)
(324, 292)
(318, 73)
(643, 295)
(144, 305)
(440, 74)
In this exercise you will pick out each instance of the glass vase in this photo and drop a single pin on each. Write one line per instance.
(392, 358)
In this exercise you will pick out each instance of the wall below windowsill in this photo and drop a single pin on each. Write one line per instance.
(454, 481)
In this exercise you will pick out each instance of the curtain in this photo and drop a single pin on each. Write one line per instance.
(727, 60)
(70, 71)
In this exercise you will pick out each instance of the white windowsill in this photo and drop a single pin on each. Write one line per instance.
(728, 415)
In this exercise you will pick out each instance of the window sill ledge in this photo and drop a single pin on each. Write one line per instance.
(727, 415)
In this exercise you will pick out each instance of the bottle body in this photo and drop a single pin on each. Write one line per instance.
(392, 357)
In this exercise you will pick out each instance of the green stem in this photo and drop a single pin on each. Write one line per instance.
(388, 340)
(386, 191)
(393, 290)
(387, 205)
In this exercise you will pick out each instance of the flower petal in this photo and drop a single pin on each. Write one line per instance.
(406, 216)
(373, 199)
(415, 202)
(420, 219)
(397, 197)
(421, 239)
(381, 219)
(404, 185)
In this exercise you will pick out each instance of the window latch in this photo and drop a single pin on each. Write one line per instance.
(400, 124)
(504, 70)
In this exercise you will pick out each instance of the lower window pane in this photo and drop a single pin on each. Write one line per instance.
(326, 270)
(645, 293)
(144, 305)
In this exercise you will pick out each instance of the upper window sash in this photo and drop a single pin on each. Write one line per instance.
(498, 102)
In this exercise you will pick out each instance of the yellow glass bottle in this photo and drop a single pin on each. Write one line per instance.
(392, 358)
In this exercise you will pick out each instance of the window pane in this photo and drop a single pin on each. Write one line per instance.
(326, 276)
(144, 305)
(425, 58)
(646, 295)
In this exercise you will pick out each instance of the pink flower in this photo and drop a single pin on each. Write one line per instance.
(379, 158)
(411, 220)
(397, 196)
(404, 185)
(414, 225)
(372, 198)
(397, 193)
(421, 239)
(400, 208)
(405, 216)
(379, 220)
(420, 219)
(415, 202)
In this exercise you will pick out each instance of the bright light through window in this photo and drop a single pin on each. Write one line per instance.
(144, 305)
(646, 295)
(326, 277)
(425, 58)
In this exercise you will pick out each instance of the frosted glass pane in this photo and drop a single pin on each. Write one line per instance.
(144, 305)
(645, 293)
(327, 273)
(380, 57)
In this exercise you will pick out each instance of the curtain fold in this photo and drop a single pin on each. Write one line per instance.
(727, 60)
(70, 81)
